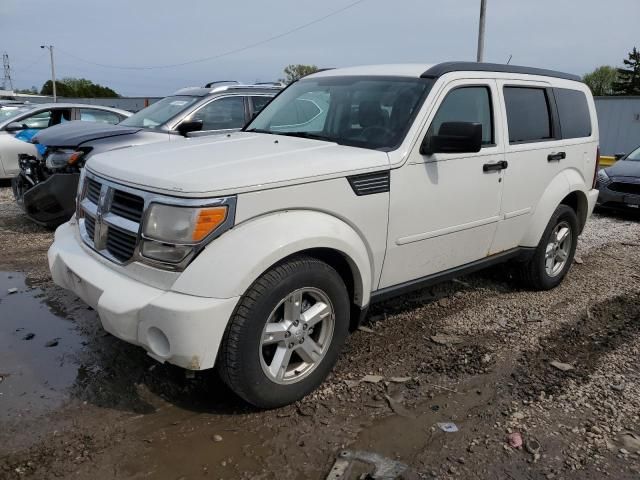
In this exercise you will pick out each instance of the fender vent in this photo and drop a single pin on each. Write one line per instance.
(370, 183)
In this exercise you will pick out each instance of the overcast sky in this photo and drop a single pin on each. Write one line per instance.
(571, 35)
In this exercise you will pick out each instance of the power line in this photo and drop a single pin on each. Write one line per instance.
(30, 65)
(220, 55)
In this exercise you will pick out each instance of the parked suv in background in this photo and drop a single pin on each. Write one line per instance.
(259, 250)
(45, 188)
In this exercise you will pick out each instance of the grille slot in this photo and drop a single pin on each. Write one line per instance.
(370, 183)
(90, 226)
(632, 188)
(127, 205)
(93, 191)
(121, 244)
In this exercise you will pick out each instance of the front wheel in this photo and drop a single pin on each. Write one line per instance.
(286, 333)
(554, 254)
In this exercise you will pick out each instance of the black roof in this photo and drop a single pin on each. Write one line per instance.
(447, 67)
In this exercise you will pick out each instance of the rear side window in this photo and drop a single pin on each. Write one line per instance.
(99, 116)
(528, 114)
(575, 121)
(258, 103)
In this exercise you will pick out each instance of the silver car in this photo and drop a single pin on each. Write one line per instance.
(18, 123)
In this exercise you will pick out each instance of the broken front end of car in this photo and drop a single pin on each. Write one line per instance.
(45, 188)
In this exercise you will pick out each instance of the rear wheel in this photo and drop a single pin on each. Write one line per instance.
(554, 254)
(286, 333)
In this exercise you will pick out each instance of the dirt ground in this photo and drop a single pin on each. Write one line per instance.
(478, 352)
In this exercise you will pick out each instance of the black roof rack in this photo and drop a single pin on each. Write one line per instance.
(447, 67)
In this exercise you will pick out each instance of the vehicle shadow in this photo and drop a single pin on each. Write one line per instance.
(619, 214)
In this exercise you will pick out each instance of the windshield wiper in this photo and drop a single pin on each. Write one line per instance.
(311, 136)
(258, 130)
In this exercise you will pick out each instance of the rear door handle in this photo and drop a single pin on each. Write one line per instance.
(556, 157)
(490, 167)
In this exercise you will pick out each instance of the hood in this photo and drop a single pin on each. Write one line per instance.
(624, 168)
(225, 164)
(72, 134)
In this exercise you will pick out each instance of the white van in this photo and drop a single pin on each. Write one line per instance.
(257, 251)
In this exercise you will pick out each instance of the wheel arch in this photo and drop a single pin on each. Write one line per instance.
(562, 190)
(244, 253)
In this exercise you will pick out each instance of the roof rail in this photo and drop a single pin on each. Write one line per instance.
(222, 88)
(273, 84)
(211, 84)
(442, 68)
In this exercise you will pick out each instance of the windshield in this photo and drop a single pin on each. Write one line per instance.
(635, 155)
(368, 112)
(10, 111)
(160, 112)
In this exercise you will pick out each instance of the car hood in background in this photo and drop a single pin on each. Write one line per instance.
(73, 134)
(624, 168)
(233, 163)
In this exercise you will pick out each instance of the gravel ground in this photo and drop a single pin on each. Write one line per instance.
(477, 351)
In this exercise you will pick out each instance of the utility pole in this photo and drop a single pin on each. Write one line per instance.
(53, 70)
(7, 84)
(483, 10)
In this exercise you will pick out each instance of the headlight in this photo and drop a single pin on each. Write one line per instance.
(62, 158)
(171, 233)
(602, 177)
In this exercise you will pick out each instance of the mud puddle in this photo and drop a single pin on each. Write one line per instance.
(38, 349)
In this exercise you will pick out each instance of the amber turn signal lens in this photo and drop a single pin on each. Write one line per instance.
(75, 156)
(208, 220)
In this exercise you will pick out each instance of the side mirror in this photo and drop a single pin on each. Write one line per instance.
(14, 127)
(189, 126)
(454, 137)
(618, 156)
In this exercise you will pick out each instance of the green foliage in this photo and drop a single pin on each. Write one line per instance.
(601, 80)
(78, 87)
(628, 82)
(29, 91)
(296, 72)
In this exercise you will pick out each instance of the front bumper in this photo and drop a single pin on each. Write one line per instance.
(181, 329)
(617, 200)
(50, 202)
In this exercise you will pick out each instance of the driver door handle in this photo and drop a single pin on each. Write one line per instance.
(490, 167)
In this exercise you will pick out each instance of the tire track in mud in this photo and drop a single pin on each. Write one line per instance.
(603, 328)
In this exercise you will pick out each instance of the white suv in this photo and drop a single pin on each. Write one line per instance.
(258, 251)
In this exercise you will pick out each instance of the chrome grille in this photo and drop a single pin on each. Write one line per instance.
(127, 205)
(93, 190)
(110, 218)
(90, 226)
(121, 244)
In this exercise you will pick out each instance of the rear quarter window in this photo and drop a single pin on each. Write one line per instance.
(528, 114)
(573, 110)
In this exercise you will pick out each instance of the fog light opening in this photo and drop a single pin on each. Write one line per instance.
(158, 342)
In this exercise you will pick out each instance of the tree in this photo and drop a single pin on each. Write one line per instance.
(628, 82)
(296, 72)
(30, 91)
(601, 80)
(78, 87)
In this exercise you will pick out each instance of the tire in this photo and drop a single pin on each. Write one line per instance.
(248, 365)
(535, 273)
